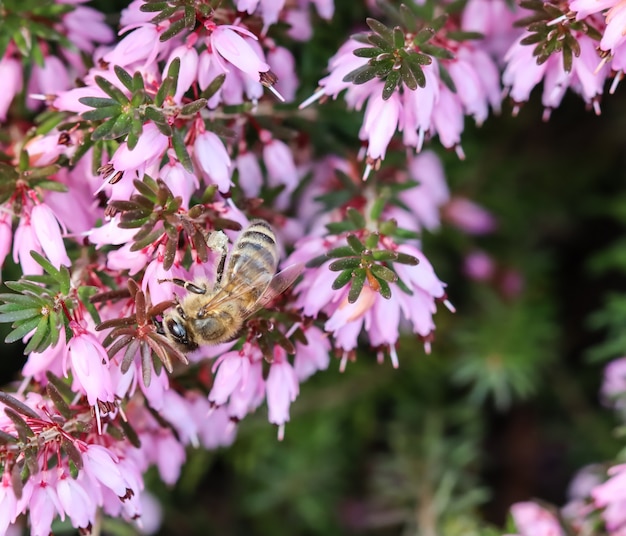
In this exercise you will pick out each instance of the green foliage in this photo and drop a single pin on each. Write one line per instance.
(155, 211)
(122, 114)
(42, 304)
(554, 38)
(26, 22)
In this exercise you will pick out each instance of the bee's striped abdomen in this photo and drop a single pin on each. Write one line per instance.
(254, 254)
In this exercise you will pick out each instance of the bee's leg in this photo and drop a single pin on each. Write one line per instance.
(187, 285)
(218, 241)
(220, 268)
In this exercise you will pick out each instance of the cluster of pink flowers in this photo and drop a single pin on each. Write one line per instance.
(181, 111)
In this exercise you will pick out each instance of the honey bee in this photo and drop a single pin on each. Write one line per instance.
(213, 314)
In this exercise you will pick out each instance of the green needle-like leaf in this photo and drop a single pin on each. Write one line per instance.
(112, 91)
(342, 279)
(357, 285)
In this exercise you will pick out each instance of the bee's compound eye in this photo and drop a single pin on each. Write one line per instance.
(177, 330)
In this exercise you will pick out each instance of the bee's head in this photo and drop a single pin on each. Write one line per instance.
(176, 330)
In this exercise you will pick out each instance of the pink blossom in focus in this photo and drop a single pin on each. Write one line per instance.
(43, 502)
(232, 47)
(102, 466)
(179, 180)
(8, 504)
(149, 150)
(142, 44)
(233, 371)
(76, 500)
(89, 363)
(188, 72)
(382, 118)
(69, 100)
(48, 233)
(24, 242)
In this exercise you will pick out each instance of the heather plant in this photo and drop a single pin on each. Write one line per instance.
(395, 149)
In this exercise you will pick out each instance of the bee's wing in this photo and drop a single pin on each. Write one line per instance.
(279, 283)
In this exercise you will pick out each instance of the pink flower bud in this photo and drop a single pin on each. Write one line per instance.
(90, 366)
(213, 160)
(24, 242)
(250, 174)
(282, 388)
(278, 158)
(48, 233)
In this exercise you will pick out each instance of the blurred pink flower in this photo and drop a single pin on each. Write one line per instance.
(469, 216)
(283, 65)
(611, 495)
(250, 174)
(533, 520)
(479, 266)
(313, 356)
(278, 159)
(613, 390)
(49, 79)
(425, 199)
(494, 19)
(12, 81)
(86, 27)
